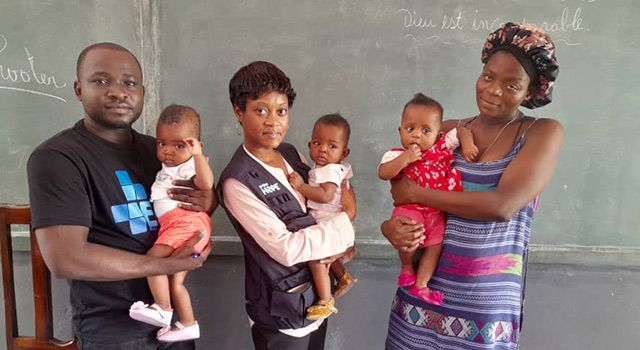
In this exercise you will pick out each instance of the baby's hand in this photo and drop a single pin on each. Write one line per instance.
(470, 153)
(194, 146)
(412, 153)
(295, 180)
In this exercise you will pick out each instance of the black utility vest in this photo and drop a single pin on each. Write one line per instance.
(266, 281)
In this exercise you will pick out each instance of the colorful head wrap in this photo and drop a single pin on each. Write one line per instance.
(535, 51)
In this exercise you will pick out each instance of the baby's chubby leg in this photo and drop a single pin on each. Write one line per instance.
(158, 314)
(320, 273)
(159, 285)
(181, 298)
(427, 265)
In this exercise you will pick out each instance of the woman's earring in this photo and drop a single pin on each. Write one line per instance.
(238, 129)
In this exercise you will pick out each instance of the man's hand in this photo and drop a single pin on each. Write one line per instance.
(188, 257)
(191, 198)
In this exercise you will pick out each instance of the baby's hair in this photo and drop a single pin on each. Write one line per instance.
(335, 119)
(256, 78)
(105, 45)
(178, 114)
(421, 99)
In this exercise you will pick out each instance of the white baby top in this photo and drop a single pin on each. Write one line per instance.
(161, 201)
(333, 173)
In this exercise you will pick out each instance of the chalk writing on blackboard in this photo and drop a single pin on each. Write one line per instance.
(440, 27)
(26, 77)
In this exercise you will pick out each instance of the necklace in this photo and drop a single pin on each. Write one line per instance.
(518, 115)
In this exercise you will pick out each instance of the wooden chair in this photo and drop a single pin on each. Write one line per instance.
(43, 340)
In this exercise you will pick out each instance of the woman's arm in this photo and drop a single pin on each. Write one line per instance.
(525, 177)
(315, 242)
(403, 233)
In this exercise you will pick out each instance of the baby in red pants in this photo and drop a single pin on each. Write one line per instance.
(180, 151)
(425, 158)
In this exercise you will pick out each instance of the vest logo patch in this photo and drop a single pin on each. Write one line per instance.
(266, 188)
(138, 210)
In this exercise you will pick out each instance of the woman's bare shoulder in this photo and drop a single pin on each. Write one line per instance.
(544, 130)
(453, 123)
(545, 126)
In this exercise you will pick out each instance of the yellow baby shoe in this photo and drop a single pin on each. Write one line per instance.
(344, 284)
(321, 309)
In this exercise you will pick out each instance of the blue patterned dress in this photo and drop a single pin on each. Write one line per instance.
(479, 273)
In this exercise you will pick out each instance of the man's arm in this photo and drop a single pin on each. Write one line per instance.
(199, 200)
(68, 255)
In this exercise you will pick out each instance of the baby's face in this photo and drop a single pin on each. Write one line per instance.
(171, 149)
(420, 126)
(328, 144)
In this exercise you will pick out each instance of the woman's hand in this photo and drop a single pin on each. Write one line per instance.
(403, 233)
(346, 256)
(348, 200)
(192, 198)
(402, 190)
(349, 254)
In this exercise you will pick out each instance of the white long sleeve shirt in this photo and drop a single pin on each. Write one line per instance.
(287, 248)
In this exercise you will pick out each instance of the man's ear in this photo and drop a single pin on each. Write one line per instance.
(309, 144)
(440, 135)
(345, 152)
(77, 88)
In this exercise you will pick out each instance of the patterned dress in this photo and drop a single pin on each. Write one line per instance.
(479, 273)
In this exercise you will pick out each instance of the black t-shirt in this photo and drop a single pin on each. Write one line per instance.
(77, 178)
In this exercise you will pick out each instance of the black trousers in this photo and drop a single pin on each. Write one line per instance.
(270, 339)
(149, 343)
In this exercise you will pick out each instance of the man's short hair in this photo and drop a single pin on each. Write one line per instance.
(104, 45)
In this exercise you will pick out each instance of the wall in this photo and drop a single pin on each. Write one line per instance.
(362, 58)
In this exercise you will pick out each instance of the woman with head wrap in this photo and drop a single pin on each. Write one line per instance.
(480, 271)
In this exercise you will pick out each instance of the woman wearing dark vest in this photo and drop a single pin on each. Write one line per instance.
(483, 263)
(277, 233)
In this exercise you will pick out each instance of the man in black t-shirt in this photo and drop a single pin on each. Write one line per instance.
(89, 189)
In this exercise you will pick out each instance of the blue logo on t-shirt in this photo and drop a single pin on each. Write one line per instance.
(138, 211)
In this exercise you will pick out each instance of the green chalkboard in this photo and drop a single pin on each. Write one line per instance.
(39, 44)
(363, 58)
(366, 58)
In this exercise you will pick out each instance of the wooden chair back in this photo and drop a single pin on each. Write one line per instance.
(43, 339)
